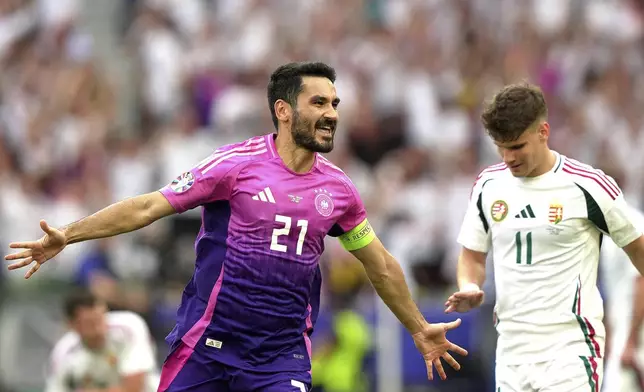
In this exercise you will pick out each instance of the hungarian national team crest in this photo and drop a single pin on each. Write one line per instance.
(499, 210)
(323, 202)
(183, 182)
(555, 213)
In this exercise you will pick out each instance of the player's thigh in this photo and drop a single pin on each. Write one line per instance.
(575, 374)
(273, 382)
(185, 370)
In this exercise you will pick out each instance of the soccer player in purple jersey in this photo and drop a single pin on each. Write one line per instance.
(248, 312)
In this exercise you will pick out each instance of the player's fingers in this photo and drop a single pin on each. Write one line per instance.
(466, 295)
(20, 264)
(450, 308)
(452, 324)
(451, 361)
(439, 368)
(458, 349)
(45, 227)
(19, 255)
(430, 370)
(32, 271)
(24, 245)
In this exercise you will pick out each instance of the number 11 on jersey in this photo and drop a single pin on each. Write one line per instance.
(528, 248)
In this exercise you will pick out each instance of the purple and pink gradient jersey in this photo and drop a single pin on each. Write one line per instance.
(255, 292)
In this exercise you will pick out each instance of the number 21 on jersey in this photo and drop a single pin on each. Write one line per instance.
(523, 247)
(302, 224)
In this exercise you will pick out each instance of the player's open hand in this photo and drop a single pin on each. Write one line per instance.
(464, 300)
(433, 345)
(51, 244)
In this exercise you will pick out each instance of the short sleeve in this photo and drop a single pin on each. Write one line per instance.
(211, 180)
(354, 230)
(355, 214)
(475, 229)
(138, 356)
(607, 209)
(620, 222)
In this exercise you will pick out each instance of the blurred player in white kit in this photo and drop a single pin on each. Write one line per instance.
(103, 351)
(624, 292)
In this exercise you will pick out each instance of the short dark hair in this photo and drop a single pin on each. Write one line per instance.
(77, 300)
(286, 82)
(513, 110)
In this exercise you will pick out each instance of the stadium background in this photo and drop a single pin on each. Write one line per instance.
(101, 100)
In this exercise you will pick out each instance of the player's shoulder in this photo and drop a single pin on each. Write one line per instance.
(333, 172)
(591, 179)
(497, 172)
(127, 323)
(249, 150)
(68, 345)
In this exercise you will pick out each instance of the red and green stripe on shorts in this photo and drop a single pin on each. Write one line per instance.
(590, 363)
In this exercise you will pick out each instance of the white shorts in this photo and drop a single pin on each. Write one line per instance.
(566, 374)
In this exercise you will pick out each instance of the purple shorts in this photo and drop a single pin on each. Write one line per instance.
(186, 370)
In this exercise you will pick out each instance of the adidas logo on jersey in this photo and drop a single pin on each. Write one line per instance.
(265, 195)
(526, 212)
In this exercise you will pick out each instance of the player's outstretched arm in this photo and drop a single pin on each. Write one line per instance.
(470, 275)
(388, 279)
(122, 217)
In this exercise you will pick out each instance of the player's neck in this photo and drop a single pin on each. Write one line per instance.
(299, 160)
(547, 164)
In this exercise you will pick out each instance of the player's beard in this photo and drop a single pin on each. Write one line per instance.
(303, 132)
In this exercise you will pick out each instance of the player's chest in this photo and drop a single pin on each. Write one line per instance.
(525, 217)
(290, 201)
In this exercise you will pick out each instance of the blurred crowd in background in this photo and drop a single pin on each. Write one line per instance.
(102, 100)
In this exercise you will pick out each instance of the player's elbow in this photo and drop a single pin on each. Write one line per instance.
(151, 207)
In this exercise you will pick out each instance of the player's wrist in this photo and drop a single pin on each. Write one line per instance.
(469, 287)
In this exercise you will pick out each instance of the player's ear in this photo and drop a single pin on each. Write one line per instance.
(283, 110)
(544, 131)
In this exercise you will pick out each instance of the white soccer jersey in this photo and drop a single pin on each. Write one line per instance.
(545, 233)
(129, 350)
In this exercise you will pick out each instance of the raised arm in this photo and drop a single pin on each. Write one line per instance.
(122, 217)
(211, 180)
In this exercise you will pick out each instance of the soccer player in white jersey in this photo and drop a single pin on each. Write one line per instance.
(103, 351)
(543, 216)
(624, 292)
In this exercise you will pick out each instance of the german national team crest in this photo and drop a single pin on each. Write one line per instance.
(555, 213)
(323, 202)
(183, 182)
(499, 210)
